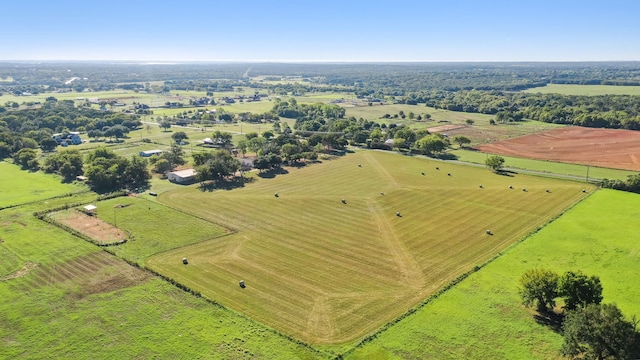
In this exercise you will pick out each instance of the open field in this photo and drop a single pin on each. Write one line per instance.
(329, 272)
(618, 149)
(589, 90)
(75, 301)
(155, 227)
(544, 166)
(482, 317)
(19, 187)
(98, 230)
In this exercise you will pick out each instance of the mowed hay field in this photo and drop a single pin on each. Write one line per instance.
(482, 317)
(328, 272)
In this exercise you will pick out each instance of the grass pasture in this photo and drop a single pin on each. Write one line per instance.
(586, 90)
(328, 272)
(550, 167)
(482, 317)
(19, 187)
(156, 227)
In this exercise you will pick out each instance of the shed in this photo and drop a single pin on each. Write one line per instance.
(90, 208)
(148, 153)
(182, 176)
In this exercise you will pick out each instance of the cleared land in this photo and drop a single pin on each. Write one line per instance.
(543, 166)
(619, 149)
(329, 272)
(589, 90)
(19, 187)
(98, 230)
(77, 302)
(482, 316)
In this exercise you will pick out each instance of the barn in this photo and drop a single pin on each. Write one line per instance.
(182, 176)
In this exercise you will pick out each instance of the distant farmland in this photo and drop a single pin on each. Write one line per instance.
(328, 271)
(589, 90)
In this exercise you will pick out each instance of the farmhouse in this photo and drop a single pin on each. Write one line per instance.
(182, 176)
(148, 153)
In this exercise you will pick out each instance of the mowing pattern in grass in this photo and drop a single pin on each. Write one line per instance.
(329, 272)
(155, 227)
(482, 316)
(19, 186)
(78, 302)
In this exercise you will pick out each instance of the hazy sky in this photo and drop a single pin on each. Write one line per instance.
(326, 30)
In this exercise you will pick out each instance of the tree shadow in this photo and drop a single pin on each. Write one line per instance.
(270, 174)
(550, 319)
(225, 184)
(507, 173)
(445, 156)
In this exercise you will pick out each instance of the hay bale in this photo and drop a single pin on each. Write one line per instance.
(437, 168)
(489, 232)
(398, 214)
(524, 189)
(481, 187)
(510, 186)
(584, 190)
(382, 193)
(185, 261)
(359, 165)
(547, 190)
(423, 173)
(241, 283)
(276, 195)
(344, 201)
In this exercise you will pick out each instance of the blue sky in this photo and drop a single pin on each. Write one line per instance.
(398, 30)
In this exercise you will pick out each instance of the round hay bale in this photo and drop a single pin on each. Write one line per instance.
(489, 232)
(241, 283)
(584, 190)
(344, 201)
(185, 261)
(276, 195)
(382, 193)
(423, 173)
(398, 214)
(359, 165)
(448, 174)
(437, 168)
(510, 186)
(547, 190)
(524, 189)
(481, 187)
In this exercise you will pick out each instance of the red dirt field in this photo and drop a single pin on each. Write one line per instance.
(618, 149)
(93, 227)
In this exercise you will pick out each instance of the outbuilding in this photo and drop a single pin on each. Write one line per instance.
(182, 176)
(149, 153)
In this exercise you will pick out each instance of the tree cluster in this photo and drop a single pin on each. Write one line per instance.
(591, 330)
(108, 172)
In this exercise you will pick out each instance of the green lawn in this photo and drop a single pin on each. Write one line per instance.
(329, 272)
(482, 317)
(589, 90)
(20, 186)
(546, 166)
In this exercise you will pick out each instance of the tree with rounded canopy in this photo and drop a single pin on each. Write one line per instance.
(27, 159)
(461, 140)
(220, 165)
(539, 288)
(579, 289)
(494, 162)
(178, 136)
(431, 144)
(599, 332)
(165, 124)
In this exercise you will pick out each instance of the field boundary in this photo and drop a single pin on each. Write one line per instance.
(372, 336)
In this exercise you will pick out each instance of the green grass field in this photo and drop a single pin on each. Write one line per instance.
(19, 187)
(589, 90)
(328, 272)
(156, 227)
(482, 317)
(546, 166)
(76, 301)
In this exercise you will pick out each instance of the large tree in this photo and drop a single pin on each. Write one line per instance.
(494, 162)
(27, 159)
(67, 163)
(599, 332)
(431, 144)
(539, 288)
(579, 289)
(219, 166)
